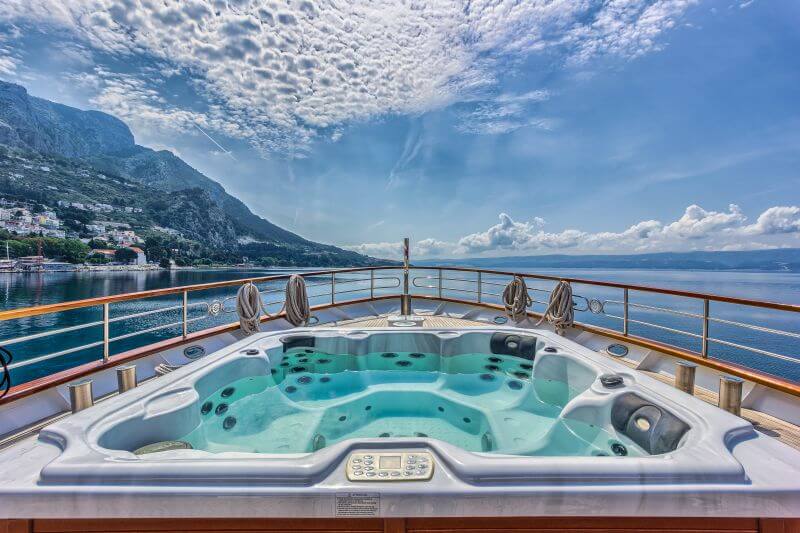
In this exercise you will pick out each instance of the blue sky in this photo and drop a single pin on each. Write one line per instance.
(482, 128)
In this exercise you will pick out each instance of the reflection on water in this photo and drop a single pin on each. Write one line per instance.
(23, 290)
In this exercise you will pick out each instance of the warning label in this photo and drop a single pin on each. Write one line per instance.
(358, 504)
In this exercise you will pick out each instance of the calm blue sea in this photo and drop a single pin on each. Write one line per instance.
(22, 290)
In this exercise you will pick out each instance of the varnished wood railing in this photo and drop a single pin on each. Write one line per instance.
(480, 280)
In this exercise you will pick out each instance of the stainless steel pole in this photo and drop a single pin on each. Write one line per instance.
(405, 300)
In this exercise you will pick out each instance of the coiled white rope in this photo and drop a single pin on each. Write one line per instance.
(560, 312)
(516, 299)
(296, 304)
(249, 305)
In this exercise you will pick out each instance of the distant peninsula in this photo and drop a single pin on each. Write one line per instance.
(774, 260)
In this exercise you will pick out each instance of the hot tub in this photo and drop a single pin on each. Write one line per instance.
(453, 409)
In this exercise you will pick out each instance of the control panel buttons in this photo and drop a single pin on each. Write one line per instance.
(390, 466)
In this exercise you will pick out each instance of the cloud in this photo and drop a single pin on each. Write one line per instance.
(505, 113)
(697, 223)
(696, 229)
(281, 76)
(776, 220)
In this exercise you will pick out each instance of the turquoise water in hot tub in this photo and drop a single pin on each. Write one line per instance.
(478, 402)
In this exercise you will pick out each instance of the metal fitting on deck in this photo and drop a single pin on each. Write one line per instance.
(80, 395)
(730, 394)
(126, 378)
(684, 376)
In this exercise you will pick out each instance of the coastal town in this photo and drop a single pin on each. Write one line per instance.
(111, 244)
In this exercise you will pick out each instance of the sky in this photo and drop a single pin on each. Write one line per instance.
(481, 128)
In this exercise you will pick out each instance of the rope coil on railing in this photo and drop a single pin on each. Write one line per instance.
(560, 310)
(516, 299)
(296, 304)
(5, 382)
(249, 305)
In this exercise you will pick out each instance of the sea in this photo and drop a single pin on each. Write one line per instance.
(140, 322)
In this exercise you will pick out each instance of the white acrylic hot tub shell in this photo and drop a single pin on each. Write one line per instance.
(167, 407)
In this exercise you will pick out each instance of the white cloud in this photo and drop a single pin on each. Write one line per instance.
(775, 220)
(697, 223)
(280, 75)
(696, 229)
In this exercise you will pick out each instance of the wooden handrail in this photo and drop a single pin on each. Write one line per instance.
(644, 288)
(91, 302)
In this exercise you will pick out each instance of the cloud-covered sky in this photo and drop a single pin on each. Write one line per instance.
(584, 125)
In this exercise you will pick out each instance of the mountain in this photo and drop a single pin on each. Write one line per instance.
(99, 150)
(779, 259)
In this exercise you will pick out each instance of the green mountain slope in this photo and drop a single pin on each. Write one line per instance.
(93, 158)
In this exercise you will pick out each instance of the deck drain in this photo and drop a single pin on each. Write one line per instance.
(228, 392)
(228, 423)
(515, 385)
(221, 409)
(388, 355)
(206, 408)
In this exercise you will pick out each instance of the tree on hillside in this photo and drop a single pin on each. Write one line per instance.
(125, 255)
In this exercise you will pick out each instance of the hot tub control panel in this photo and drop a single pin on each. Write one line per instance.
(390, 466)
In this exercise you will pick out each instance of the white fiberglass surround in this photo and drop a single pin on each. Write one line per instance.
(168, 407)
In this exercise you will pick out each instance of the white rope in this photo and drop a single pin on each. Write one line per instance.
(516, 299)
(560, 312)
(249, 305)
(296, 304)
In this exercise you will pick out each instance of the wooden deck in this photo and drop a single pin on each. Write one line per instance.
(768, 425)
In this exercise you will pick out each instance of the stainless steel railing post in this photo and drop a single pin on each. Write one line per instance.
(705, 327)
(126, 378)
(480, 286)
(625, 311)
(106, 336)
(333, 287)
(684, 376)
(371, 284)
(405, 300)
(730, 394)
(80, 395)
(185, 313)
(440, 283)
